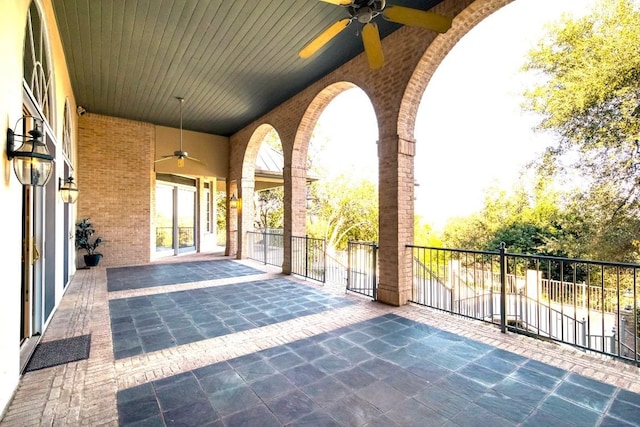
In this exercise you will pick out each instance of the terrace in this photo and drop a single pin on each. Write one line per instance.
(204, 339)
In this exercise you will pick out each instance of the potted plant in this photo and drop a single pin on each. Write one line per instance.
(84, 240)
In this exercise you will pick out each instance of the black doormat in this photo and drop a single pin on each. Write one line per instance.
(53, 353)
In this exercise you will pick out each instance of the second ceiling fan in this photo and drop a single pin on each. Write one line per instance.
(364, 11)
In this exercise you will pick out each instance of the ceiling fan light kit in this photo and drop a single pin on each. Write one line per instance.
(365, 11)
(180, 154)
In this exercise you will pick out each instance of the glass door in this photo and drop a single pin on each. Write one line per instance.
(175, 219)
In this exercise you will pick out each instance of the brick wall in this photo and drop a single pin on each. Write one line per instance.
(411, 57)
(116, 186)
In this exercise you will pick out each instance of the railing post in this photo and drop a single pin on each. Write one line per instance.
(613, 341)
(584, 334)
(264, 252)
(348, 266)
(306, 255)
(503, 288)
(374, 248)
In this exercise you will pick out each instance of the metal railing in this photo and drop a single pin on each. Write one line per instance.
(591, 305)
(267, 248)
(308, 257)
(362, 271)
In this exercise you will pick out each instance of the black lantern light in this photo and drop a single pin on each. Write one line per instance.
(32, 162)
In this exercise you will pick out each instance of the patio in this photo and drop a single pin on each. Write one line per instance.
(203, 340)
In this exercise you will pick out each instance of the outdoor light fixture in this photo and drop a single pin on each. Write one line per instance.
(233, 202)
(32, 162)
(68, 191)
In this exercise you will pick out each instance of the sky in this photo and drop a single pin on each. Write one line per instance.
(470, 130)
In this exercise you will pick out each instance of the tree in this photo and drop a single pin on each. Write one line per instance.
(589, 94)
(343, 209)
(270, 208)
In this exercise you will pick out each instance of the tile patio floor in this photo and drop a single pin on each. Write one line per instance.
(206, 340)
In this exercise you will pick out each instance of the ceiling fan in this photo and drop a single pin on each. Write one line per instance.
(364, 11)
(180, 154)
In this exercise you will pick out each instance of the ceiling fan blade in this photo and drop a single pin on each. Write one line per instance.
(324, 38)
(417, 18)
(196, 160)
(372, 45)
(338, 2)
(163, 159)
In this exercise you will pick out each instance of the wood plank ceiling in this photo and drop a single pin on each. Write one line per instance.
(232, 61)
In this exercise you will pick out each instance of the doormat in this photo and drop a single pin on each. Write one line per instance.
(53, 353)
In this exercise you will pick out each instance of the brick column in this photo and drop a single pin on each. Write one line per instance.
(231, 248)
(295, 209)
(245, 214)
(396, 182)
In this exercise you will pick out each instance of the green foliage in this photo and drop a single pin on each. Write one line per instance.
(270, 208)
(589, 94)
(84, 240)
(423, 235)
(343, 209)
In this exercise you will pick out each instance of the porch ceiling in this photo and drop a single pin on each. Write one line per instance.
(232, 61)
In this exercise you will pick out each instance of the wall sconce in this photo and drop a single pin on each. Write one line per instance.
(233, 202)
(68, 191)
(32, 162)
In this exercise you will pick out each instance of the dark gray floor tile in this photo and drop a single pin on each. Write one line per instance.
(154, 421)
(480, 374)
(406, 382)
(444, 402)
(461, 386)
(544, 419)
(381, 421)
(303, 374)
(565, 410)
(535, 378)
(378, 347)
(379, 368)
(179, 394)
(592, 384)
(221, 381)
(318, 418)
(353, 411)
(194, 413)
(258, 416)
(400, 357)
(429, 371)
(516, 390)
(355, 378)
(614, 422)
(496, 364)
(382, 395)
(446, 360)
(311, 352)
(208, 370)
(255, 371)
(413, 413)
(272, 386)
(583, 396)
(508, 356)
(229, 401)
(331, 364)
(546, 369)
(511, 409)
(138, 409)
(326, 390)
(286, 360)
(472, 414)
(291, 406)
(629, 397)
(626, 411)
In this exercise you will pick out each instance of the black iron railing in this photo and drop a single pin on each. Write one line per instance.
(362, 271)
(308, 257)
(591, 305)
(267, 248)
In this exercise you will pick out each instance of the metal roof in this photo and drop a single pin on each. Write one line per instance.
(232, 61)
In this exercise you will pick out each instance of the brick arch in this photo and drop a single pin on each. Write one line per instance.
(242, 183)
(464, 22)
(310, 118)
(252, 148)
